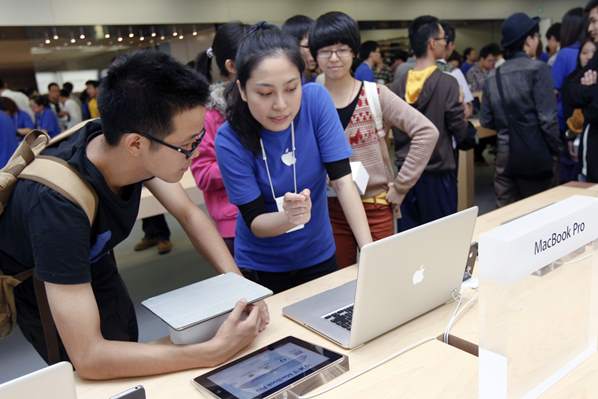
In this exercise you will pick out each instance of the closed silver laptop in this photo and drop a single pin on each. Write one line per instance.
(52, 382)
(400, 278)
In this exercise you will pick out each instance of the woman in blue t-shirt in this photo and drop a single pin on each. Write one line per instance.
(45, 118)
(279, 145)
(8, 138)
(21, 119)
(572, 32)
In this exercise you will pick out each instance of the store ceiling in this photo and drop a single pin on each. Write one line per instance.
(48, 48)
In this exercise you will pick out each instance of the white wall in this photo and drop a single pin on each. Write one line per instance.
(90, 12)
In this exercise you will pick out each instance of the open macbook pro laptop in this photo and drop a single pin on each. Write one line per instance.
(399, 278)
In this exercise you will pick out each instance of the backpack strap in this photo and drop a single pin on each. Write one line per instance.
(69, 132)
(57, 174)
(33, 143)
(48, 326)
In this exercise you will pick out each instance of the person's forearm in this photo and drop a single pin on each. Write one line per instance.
(117, 359)
(353, 209)
(270, 224)
(206, 239)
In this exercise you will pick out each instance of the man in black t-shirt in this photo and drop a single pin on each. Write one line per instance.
(152, 113)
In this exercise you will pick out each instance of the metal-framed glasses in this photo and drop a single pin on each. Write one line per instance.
(343, 52)
(188, 153)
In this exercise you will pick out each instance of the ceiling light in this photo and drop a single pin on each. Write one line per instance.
(107, 36)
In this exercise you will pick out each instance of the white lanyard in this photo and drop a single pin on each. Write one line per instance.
(265, 158)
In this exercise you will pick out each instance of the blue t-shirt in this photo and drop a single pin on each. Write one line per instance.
(8, 138)
(564, 65)
(319, 139)
(466, 67)
(364, 73)
(23, 120)
(544, 57)
(47, 120)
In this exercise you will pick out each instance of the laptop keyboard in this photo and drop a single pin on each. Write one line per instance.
(342, 317)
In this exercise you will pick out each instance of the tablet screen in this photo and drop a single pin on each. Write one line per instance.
(267, 370)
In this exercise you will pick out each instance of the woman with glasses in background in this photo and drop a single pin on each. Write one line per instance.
(334, 43)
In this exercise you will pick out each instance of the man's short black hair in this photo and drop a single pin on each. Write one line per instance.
(455, 56)
(554, 31)
(68, 86)
(367, 48)
(52, 85)
(399, 54)
(590, 6)
(64, 93)
(490, 49)
(143, 91)
(332, 28)
(2, 84)
(421, 30)
(298, 26)
(94, 83)
(449, 32)
(467, 51)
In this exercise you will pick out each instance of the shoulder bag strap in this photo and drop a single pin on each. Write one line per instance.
(371, 92)
(505, 106)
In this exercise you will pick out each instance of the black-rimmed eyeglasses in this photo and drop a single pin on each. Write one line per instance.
(187, 153)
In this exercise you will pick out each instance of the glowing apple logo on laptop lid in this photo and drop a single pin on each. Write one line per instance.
(418, 276)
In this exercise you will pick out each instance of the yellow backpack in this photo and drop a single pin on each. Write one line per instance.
(27, 163)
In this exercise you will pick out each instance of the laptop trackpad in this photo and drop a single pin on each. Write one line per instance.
(322, 304)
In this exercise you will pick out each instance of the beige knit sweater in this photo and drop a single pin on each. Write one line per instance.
(367, 146)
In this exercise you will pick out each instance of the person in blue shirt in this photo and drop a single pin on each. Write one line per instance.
(8, 138)
(279, 145)
(370, 58)
(470, 57)
(45, 118)
(572, 31)
(21, 119)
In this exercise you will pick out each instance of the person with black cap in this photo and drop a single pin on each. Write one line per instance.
(519, 102)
